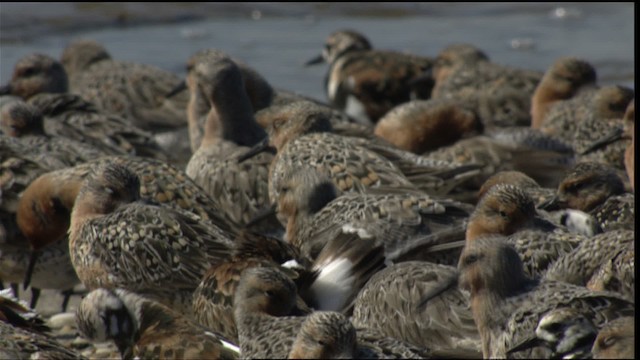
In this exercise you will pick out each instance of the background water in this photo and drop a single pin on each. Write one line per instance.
(277, 38)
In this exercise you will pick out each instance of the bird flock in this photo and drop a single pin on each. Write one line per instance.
(431, 207)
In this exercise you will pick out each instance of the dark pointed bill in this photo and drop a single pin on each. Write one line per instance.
(437, 290)
(612, 137)
(178, 89)
(262, 146)
(314, 61)
(552, 204)
(526, 344)
(425, 77)
(32, 264)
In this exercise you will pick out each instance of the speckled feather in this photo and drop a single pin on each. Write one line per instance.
(389, 301)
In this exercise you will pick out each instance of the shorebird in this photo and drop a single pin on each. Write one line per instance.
(329, 335)
(14, 312)
(542, 157)
(230, 129)
(606, 118)
(452, 56)
(24, 335)
(507, 305)
(34, 74)
(70, 116)
(509, 211)
(605, 261)
(566, 332)
(136, 92)
(461, 70)
(263, 297)
(624, 132)
(17, 343)
(616, 340)
(354, 164)
(329, 283)
(617, 274)
(25, 122)
(366, 83)
(308, 203)
(116, 240)
(388, 302)
(567, 77)
(569, 104)
(575, 221)
(143, 328)
(42, 81)
(19, 166)
(44, 209)
(422, 125)
(597, 189)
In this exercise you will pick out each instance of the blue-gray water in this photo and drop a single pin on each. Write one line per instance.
(276, 38)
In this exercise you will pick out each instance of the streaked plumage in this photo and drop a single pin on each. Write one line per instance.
(263, 296)
(388, 303)
(308, 203)
(115, 240)
(146, 329)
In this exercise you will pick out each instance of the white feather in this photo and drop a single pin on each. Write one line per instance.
(333, 285)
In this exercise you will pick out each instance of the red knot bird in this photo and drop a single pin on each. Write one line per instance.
(568, 99)
(263, 297)
(625, 132)
(388, 303)
(507, 305)
(601, 262)
(241, 189)
(134, 91)
(34, 74)
(422, 125)
(44, 210)
(540, 156)
(309, 203)
(23, 334)
(42, 81)
(354, 164)
(589, 132)
(25, 122)
(117, 240)
(618, 273)
(509, 211)
(461, 70)
(330, 282)
(143, 328)
(597, 189)
(563, 80)
(616, 340)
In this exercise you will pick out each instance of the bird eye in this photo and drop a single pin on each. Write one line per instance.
(277, 124)
(470, 259)
(28, 71)
(554, 328)
(503, 214)
(609, 341)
